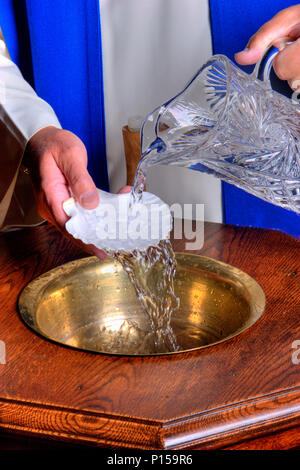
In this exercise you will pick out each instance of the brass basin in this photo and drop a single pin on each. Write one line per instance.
(91, 305)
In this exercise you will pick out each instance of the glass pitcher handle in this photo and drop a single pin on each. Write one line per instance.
(263, 67)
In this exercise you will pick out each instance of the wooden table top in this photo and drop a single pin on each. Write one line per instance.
(218, 397)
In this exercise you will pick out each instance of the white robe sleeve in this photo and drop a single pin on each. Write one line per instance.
(20, 108)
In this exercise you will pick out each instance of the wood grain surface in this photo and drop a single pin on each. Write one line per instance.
(237, 393)
(132, 149)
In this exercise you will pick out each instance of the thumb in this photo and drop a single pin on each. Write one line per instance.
(280, 26)
(80, 182)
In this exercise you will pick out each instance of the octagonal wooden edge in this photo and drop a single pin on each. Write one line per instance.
(213, 429)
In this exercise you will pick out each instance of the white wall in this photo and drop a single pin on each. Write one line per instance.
(151, 48)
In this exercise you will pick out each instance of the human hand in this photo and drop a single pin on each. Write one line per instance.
(58, 162)
(125, 189)
(286, 24)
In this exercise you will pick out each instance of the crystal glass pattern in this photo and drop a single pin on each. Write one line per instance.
(234, 126)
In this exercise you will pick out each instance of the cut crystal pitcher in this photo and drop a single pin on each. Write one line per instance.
(232, 125)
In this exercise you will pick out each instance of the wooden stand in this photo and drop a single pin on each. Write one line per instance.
(244, 393)
(132, 149)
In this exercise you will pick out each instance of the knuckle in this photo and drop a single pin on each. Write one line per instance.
(75, 178)
(289, 14)
(76, 172)
(72, 157)
(79, 182)
(71, 153)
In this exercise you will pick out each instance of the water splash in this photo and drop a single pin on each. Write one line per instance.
(152, 273)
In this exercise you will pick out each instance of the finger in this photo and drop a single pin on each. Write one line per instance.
(80, 182)
(248, 56)
(295, 84)
(287, 64)
(95, 251)
(56, 195)
(47, 213)
(284, 24)
(125, 189)
(43, 208)
(52, 190)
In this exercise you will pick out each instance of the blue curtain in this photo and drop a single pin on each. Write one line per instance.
(233, 22)
(57, 45)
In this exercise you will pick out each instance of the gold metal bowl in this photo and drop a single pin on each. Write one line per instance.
(90, 304)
